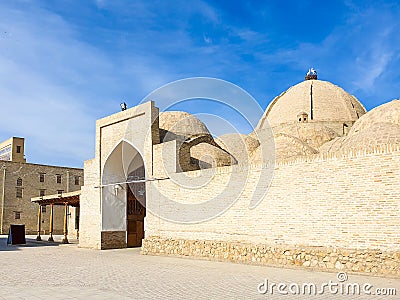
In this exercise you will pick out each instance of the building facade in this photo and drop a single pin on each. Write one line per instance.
(21, 181)
(13, 149)
(331, 201)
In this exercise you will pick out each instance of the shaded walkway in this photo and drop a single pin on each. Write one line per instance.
(64, 199)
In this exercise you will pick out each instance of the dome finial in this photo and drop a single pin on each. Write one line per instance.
(311, 74)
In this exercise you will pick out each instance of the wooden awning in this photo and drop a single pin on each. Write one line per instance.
(71, 198)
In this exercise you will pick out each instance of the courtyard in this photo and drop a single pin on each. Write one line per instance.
(43, 270)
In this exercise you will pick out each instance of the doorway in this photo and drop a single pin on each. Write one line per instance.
(135, 213)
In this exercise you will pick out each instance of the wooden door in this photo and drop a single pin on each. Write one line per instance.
(135, 220)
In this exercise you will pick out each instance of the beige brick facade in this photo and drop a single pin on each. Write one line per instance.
(20, 181)
(346, 202)
(101, 221)
(326, 210)
(13, 149)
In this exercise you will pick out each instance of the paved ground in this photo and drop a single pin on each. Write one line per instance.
(41, 270)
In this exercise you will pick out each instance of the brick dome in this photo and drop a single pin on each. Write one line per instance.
(321, 100)
(385, 113)
(239, 145)
(179, 125)
(184, 127)
(378, 127)
(286, 146)
(210, 156)
(314, 134)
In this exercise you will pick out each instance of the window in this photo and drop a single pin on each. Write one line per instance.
(302, 117)
(17, 215)
(76, 180)
(18, 149)
(345, 129)
(41, 177)
(43, 208)
(42, 193)
(19, 181)
(58, 178)
(59, 192)
(18, 192)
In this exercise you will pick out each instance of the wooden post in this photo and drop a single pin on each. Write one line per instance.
(39, 225)
(77, 212)
(65, 239)
(51, 223)
(3, 194)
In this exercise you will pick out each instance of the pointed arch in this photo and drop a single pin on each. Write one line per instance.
(123, 160)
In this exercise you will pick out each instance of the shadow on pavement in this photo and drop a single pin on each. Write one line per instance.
(30, 242)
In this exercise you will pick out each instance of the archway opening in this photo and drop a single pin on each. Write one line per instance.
(123, 197)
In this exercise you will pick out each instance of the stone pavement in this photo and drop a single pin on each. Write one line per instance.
(42, 270)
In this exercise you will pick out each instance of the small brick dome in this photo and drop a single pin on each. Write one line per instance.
(378, 127)
(179, 125)
(239, 145)
(385, 113)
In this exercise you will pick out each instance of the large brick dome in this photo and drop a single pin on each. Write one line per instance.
(316, 100)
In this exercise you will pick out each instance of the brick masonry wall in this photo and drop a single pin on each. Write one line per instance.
(31, 186)
(138, 126)
(90, 210)
(348, 202)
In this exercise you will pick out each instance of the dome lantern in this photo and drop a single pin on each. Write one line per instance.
(311, 74)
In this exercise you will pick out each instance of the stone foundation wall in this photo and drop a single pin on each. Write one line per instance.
(113, 239)
(374, 262)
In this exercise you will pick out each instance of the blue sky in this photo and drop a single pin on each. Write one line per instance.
(64, 64)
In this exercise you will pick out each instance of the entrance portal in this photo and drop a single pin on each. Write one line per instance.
(124, 198)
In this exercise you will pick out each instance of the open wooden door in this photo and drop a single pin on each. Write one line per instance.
(135, 220)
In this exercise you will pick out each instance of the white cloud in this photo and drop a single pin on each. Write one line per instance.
(207, 39)
(54, 86)
(358, 54)
(59, 75)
